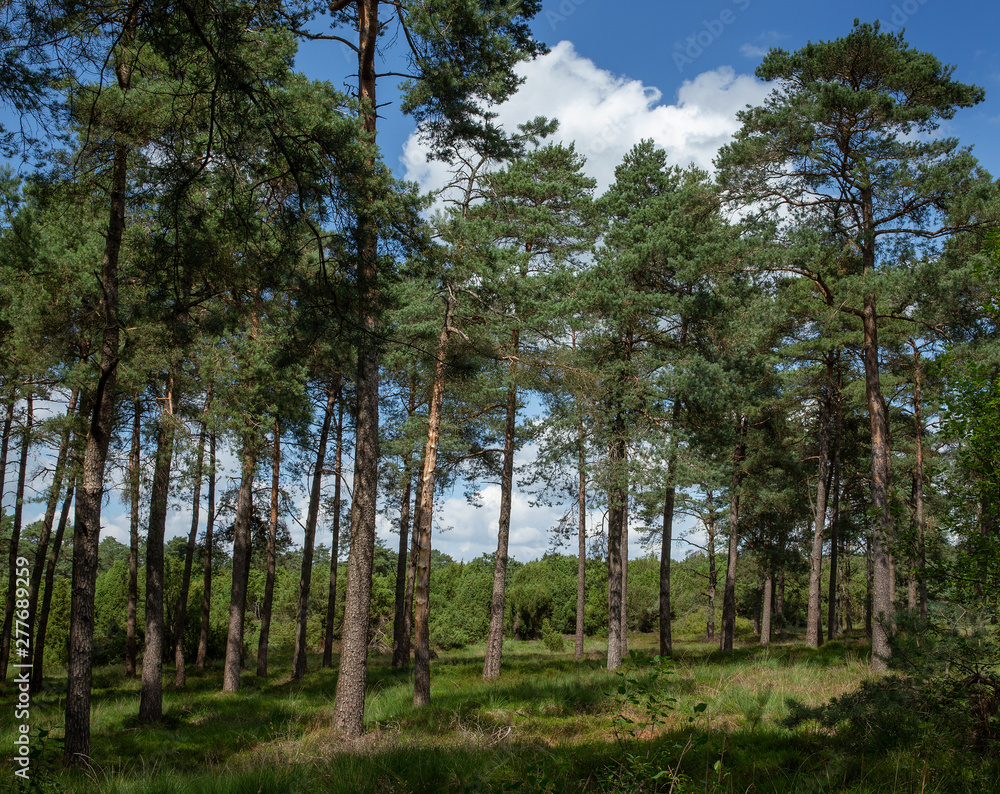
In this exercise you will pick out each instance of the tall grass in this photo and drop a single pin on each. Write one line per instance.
(547, 724)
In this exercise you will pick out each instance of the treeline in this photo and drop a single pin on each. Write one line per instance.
(798, 352)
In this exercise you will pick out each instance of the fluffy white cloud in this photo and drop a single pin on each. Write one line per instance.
(607, 114)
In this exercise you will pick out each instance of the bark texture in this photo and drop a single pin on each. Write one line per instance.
(349, 705)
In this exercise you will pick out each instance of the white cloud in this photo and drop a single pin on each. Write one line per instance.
(606, 115)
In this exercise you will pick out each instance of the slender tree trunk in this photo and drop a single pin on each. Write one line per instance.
(55, 491)
(814, 621)
(272, 563)
(349, 705)
(181, 617)
(666, 545)
(331, 602)
(90, 494)
(38, 651)
(421, 596)
(832, 619)
(206, 595)
(400, 635)
(581, 560)
(241, 567)
(131, 646)
(779, 595)
(309, 540)
(616, 521)
(623, 634)
(8, 423)
(729, 594)
(712, 571)
(151, 693)
(411, 569)
(848, 610)
(920, 577)
(766, 608)
(494, 642)
(15, 539)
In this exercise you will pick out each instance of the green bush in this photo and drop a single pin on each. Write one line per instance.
(552, 639)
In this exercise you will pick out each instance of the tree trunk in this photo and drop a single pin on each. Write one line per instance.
(616, 521)
(131, 646)
(882, 580)
(4, 448)
(8, 423)
(425, 516)
(845, 588)
(666, 544)
(15, 538)
(766, 607)
(623, 634)
(729, 594)
(814, 621)
(55, 491)
(779, 595)
(349, 705)
(181, 616)
(206, 596)
(87, 527)
(713, 576)
(411, 569)
(331, 602)
(309, 539)
(151, 693)
(581, 560)
(242, 546)
(832, 619)
(920, 577)
(272, 563)
(38, 652)
(400, 634)
(494, 642)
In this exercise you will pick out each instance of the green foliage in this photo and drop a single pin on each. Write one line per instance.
(110, 613)
(552, 639)
(642, 708)
(57, 630)
(461, 594)
(945, 700)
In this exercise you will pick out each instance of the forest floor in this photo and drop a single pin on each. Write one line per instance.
(703, 722)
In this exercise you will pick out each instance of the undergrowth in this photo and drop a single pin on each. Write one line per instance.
(785, 719)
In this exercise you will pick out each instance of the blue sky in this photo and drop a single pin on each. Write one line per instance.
(628, 66)
(674, 72)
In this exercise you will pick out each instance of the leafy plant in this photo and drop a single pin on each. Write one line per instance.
(642, 709)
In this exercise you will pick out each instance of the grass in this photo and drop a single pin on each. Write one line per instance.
(549, 723)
